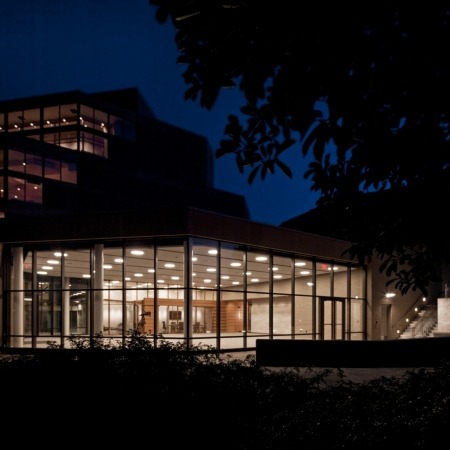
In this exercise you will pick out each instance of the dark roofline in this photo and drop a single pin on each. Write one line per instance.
(170, 223)
(127, 99)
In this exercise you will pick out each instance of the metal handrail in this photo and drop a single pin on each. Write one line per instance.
(401, 325)
(425, 322)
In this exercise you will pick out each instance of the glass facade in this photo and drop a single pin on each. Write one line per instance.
(74, 126)
(198, 291)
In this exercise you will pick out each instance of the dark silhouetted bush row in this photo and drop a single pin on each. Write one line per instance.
(138, 395)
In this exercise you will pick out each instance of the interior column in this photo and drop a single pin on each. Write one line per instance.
(17, 306)
(98, 289)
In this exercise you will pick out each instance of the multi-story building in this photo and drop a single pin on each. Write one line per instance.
(111, 223)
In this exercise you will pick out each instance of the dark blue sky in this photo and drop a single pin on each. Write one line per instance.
(60, 45)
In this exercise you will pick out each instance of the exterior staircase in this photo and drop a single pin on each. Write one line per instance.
(422, 325)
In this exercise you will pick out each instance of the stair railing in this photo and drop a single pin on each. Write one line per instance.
(425, 322)
(413, 311)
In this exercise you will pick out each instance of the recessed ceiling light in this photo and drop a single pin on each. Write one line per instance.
(300, 264)
(118, 260)
(236, 264)
(261, 258)
(211, 269)
(212, 251)
(137, 252)
(169, 265)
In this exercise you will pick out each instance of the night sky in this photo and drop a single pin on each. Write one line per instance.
(53, 46)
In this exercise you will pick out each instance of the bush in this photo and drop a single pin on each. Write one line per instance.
(172, 387)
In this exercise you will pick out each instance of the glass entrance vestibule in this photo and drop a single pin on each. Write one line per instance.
(199, 291)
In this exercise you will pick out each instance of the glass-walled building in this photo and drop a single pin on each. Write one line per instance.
(110, 224)
(200, 290)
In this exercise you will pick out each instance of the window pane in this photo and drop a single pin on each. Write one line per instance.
(16, 188)
(258, 272)
(51, 138)
(204, 264)
(281, 271)
(68, 172)
(15, 121)
(32, 119)
(324, 273)
(100, 146)
(69, 114)
(101, 121)
(232, 266)
(52, 169)
(33, 164)
(51, 116)
(304, 276)
(33, 192)
(16, 160)
(87, 116)
(86, 143)
(340, 281)
(68, 139)
(139, 268)
(303, 321)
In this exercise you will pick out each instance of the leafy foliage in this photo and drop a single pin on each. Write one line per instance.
(174, 393)
(363, 87)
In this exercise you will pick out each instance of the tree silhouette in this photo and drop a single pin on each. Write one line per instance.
(363, 86)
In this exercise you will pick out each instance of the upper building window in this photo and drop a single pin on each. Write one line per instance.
(16, 161)
(122, 128)
(59, 125)
(90, 143)
(60, 115)
(20, 189)
(93, 118)
(24, 120)
(15, 121)
(33, 164)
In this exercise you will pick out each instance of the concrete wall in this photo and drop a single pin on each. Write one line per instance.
(421, 352)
